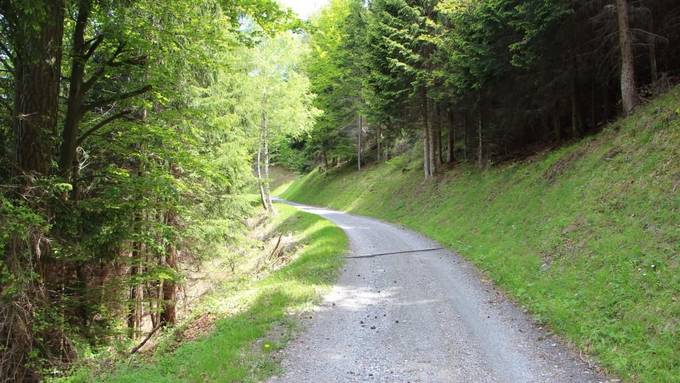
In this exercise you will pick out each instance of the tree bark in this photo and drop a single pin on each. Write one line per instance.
(258, 165)
(465, 136)
(361, 128)
(378, 140)
(593, 105)
(38, 52)
(326, 165)
(653, 67)
(605, 103)
(576, 121)
(265, 177)
(37, 40)
(427, 163)
(480, 141)
(168, 315)
(629, 94)
(136, 309)
(557, 122)
(436, 152)
(74, 111)
(451, 136)
(267, 191)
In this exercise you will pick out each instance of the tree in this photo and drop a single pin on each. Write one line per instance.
(628, 89)
(34, 33)
(401, 44)
(277, 101)
(335, 68)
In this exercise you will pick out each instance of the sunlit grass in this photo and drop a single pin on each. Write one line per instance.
(593, 250)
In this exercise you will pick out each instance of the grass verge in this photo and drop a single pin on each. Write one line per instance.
(254, 318)
(587, 237)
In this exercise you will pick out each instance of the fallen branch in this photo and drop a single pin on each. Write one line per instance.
(134, 350)
(276, 249)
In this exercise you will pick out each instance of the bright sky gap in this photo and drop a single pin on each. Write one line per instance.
(304, 8)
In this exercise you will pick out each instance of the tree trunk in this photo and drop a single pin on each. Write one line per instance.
(258, 166)
(38, 51)
(465, 136)
(379, 142)
(451, 136)
(480, 138)
(326, 165)
(265, 154)
(136, 309)
(168, 315)
(605, 103)
(593, 104)
(74, 113)
(436, 152)
(653, 67)
(37, 44)
(427, 163)
(361, 128)
(557, 124)
(629, 94)
(576, 122)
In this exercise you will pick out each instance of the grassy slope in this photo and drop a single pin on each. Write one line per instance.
(587, 237)
(230, 352)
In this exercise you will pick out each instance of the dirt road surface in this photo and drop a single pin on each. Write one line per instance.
(405, 310)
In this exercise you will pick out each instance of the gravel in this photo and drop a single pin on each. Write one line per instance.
(420, 317)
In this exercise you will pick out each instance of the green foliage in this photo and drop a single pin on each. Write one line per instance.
(334, 69)
(504, 75)
(273, 87)
(586, 237)
(158, 172)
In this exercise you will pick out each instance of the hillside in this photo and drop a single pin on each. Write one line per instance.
(586, 237)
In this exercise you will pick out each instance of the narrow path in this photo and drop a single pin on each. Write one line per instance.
(398, 314)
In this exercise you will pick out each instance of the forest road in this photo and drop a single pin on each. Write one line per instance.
(405, 310)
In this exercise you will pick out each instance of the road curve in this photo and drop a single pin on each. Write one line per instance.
(398, 314)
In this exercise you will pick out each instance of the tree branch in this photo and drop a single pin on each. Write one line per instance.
(5, 50)
(93, 47)
(656, 37)
(6, 62)
(134, 350)
(137, 60)
(101, 124)
(87, 85)
(118, 97)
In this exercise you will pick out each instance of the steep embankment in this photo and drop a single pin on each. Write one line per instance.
(587, 237)
(235, 328)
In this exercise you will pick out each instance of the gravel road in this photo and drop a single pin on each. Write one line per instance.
(398, 314)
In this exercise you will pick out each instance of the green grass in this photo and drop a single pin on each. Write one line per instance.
(250, 312)
(587, 237)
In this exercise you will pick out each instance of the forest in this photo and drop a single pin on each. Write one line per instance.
(134, 133)
(479, 81)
